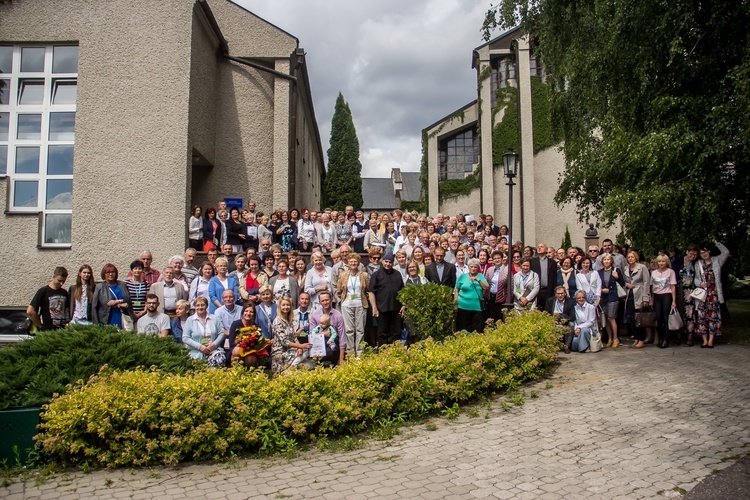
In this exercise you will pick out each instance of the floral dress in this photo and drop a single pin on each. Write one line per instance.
(708, 320)
(687, 277)
(281, 354)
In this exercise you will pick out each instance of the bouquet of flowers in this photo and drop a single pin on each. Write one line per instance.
(251, 341)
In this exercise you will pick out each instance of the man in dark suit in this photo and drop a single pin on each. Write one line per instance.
(546, 268)
(440, 271)
(562, 308)
(489, 221)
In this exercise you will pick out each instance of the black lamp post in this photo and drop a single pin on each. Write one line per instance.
(510, 166)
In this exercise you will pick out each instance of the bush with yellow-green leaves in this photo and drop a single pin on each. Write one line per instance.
(147, 417)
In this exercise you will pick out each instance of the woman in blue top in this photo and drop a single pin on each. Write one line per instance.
(468, 295)
(265, 312)
(219, 283)
(111, 299)
(203, 335)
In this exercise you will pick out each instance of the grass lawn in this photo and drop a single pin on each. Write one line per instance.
(737, 328)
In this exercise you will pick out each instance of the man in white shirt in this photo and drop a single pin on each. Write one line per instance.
(168, 291)
(229, 312)
(153, 322)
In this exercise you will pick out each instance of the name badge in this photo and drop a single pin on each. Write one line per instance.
(137, 303)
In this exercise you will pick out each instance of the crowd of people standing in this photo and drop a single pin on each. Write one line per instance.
(272, 282)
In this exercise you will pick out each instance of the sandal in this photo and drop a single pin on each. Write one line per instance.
(615, 346)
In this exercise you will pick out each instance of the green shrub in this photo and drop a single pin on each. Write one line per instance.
(429, 310)
(35, 369)
(148, 417)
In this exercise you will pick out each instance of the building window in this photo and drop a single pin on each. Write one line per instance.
(503, 71)
(38, 87)
(457, 155)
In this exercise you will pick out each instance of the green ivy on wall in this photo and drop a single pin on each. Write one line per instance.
(453, 188)
(505, 133)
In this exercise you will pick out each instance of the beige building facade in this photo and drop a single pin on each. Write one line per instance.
(117, 117)
(461, 144)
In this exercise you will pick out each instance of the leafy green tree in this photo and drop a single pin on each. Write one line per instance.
(654, 102)
(343, 181)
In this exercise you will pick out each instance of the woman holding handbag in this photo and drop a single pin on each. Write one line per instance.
(687, 283)
(610, 278)
(637, 285)
(664, 292)
(708, 277)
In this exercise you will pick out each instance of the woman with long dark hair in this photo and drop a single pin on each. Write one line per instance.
(82, 296)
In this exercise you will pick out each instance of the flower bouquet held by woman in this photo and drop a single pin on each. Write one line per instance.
(250, 341)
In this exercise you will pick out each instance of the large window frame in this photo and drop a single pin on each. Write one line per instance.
(42, 126)
(457, 154)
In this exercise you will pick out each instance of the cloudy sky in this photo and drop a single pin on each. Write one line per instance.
(401, 65)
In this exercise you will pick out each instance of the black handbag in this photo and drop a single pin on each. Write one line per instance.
(645, 319)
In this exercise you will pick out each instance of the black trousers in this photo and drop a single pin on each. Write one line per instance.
(662, 306)
(389, 327)
(471, 321)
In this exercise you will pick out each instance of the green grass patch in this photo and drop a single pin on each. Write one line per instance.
(737, 327)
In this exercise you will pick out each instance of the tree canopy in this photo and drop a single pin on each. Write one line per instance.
(343, 181)
(654, 102)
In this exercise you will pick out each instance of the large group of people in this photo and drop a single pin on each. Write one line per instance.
(273, 284)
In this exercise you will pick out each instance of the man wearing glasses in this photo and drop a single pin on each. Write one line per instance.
(593, 254)
(153, 323)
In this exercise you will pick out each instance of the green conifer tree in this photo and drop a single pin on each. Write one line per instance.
(343, 180)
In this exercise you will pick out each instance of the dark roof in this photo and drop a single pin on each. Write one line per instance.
(377, 192)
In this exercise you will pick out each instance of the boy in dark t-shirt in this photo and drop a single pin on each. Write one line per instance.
(49, 307)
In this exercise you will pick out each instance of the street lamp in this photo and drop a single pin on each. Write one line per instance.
(510, 166)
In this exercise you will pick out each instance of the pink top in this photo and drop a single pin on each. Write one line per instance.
(661, 281)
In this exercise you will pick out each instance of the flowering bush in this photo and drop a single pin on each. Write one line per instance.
(147, 417)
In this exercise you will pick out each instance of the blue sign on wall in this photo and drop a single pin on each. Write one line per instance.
(233, 202)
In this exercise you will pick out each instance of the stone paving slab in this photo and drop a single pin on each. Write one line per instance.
(621, 423)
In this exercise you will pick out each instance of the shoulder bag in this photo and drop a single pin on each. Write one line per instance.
(675, 320)
(596, 341)
(699, 294)
(645, 319)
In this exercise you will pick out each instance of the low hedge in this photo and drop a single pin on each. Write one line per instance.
(35, 369)
(147, 417)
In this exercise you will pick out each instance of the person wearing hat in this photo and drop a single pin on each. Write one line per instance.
(385, 284)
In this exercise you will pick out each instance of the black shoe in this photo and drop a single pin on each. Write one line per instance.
(703, 346)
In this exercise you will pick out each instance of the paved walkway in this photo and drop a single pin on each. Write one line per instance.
(621, 423)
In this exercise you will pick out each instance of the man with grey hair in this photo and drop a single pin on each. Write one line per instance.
(150, 275)
(189, 271)
(177, 263)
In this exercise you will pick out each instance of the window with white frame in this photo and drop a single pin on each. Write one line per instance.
(38, 87)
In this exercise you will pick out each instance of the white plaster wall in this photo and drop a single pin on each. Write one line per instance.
(552, 219)
(468, 204)
(131, 134)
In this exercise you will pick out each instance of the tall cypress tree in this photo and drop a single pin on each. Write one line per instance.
(343, 181)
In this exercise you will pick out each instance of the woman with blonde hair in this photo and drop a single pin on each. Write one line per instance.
(285, 342)
(664, 293)
(637, 281)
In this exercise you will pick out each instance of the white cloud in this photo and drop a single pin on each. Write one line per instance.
(400, 65)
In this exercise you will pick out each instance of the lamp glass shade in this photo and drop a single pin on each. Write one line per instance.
(510, 164)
